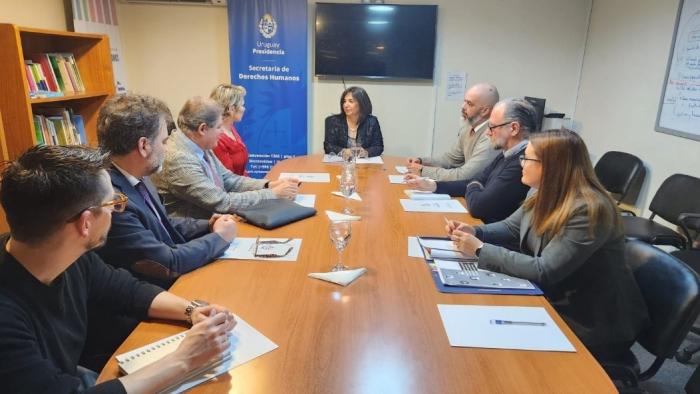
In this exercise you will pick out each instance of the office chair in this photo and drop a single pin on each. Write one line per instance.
(619, 172)
(671, 291)
(677, 194)
(690, 256)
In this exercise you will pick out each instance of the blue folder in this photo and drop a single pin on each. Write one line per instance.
(478, 290)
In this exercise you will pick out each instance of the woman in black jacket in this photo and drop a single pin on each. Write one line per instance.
(354, 126)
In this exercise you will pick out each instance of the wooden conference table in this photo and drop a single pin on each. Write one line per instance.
(380, 334)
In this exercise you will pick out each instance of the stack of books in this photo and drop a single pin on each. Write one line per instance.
(59, 126)
(53, 75)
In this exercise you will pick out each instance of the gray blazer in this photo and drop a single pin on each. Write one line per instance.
(188, 191)
(585, 277)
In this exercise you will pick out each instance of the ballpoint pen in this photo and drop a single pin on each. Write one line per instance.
(518, 323)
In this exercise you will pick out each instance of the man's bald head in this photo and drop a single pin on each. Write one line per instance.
(478, 102)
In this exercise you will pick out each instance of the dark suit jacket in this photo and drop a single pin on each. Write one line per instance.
(369, 135)
(584, 275)
(502, 190)
(137, 242)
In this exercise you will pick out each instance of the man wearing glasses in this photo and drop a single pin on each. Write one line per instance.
(472, 152)
(498, 191)
(144, 239)
(59, 201)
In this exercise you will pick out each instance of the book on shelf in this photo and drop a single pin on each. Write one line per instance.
(53, 75)
(59, 126)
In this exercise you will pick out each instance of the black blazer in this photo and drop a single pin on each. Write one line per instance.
(138, 243)
(502, 191)
(369, 135)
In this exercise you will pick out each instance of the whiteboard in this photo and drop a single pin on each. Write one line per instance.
(679, 108)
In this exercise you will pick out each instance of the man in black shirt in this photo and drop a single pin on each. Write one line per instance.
(58, 202)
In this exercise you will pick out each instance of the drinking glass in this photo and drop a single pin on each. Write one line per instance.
(340, 232)
(355, 153)
(348, 185)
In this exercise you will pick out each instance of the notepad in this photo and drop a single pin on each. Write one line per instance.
(425, 195)
(307, 177)
(246, 343)
(446, 206)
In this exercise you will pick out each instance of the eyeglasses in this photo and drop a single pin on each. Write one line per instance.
(523, 159)
(267, 245)
(499, 125)
(118, 204)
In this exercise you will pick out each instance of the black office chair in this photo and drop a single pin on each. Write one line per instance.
(677, 194)
(619, 172)
(690, 256)
(672, 294)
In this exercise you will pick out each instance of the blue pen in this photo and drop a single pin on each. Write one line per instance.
(518, 323)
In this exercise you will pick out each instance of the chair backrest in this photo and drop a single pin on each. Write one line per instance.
(677, 194)
(671, 291)
(618, 171)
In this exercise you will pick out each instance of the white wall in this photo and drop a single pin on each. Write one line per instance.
(532, 48)
(623, 73)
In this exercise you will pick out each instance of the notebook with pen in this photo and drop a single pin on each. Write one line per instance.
(246, 343)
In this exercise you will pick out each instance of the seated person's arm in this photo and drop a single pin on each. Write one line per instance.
(130, 241)
(334, 141)
(497, 198)
(375, 145)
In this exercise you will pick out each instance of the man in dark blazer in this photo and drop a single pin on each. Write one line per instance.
(143, 239)
(498, 191)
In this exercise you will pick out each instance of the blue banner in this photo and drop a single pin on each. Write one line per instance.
(269, 58)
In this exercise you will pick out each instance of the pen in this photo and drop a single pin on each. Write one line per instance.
(518, 323)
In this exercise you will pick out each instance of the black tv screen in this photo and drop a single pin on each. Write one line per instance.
(375, 40)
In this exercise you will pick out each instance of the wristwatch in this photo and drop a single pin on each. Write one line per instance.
(192, 306)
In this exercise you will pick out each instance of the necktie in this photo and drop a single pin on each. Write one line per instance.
(212, 172)
(141, 188)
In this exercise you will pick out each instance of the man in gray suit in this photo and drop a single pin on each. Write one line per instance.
(194, 183)
(472, 152)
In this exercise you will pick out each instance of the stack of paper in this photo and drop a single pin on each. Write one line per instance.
(425, 195)
(445, 206)
(243, 248)
(310, 177)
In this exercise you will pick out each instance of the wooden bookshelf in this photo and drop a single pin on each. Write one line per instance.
(93, 57)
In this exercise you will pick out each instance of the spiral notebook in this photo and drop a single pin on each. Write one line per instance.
(246, 343)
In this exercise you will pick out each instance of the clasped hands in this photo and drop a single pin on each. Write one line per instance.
(209, 336)
(463, 237)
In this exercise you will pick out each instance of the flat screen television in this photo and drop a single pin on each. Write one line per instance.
(375, 40)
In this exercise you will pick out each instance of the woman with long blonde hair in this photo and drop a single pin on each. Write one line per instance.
(566, 238)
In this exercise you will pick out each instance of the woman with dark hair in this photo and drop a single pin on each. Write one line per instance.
(354, 126)
(566, 238)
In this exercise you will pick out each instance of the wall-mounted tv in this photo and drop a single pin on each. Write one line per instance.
(375, 40)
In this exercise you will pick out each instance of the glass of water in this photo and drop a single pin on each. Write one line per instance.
(348, 185)
(340, 232)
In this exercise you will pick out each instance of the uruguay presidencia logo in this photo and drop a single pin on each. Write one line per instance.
(267, 26)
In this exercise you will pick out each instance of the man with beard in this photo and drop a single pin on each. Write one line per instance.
(59, 201)
(498, 191)
(132, 128)
(473, 151)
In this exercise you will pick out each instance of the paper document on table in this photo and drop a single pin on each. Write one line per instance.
(306, 200)
(310, 177)
(401, 169)
(446, 206)
(397, 179)
(360, 160)
(332, 158)
(414, 248)
(272, 249)
(245, 344)
(502, 327)
(425, 195)
(369, 160)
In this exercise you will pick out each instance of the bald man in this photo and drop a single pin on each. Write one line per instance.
(473, 151)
